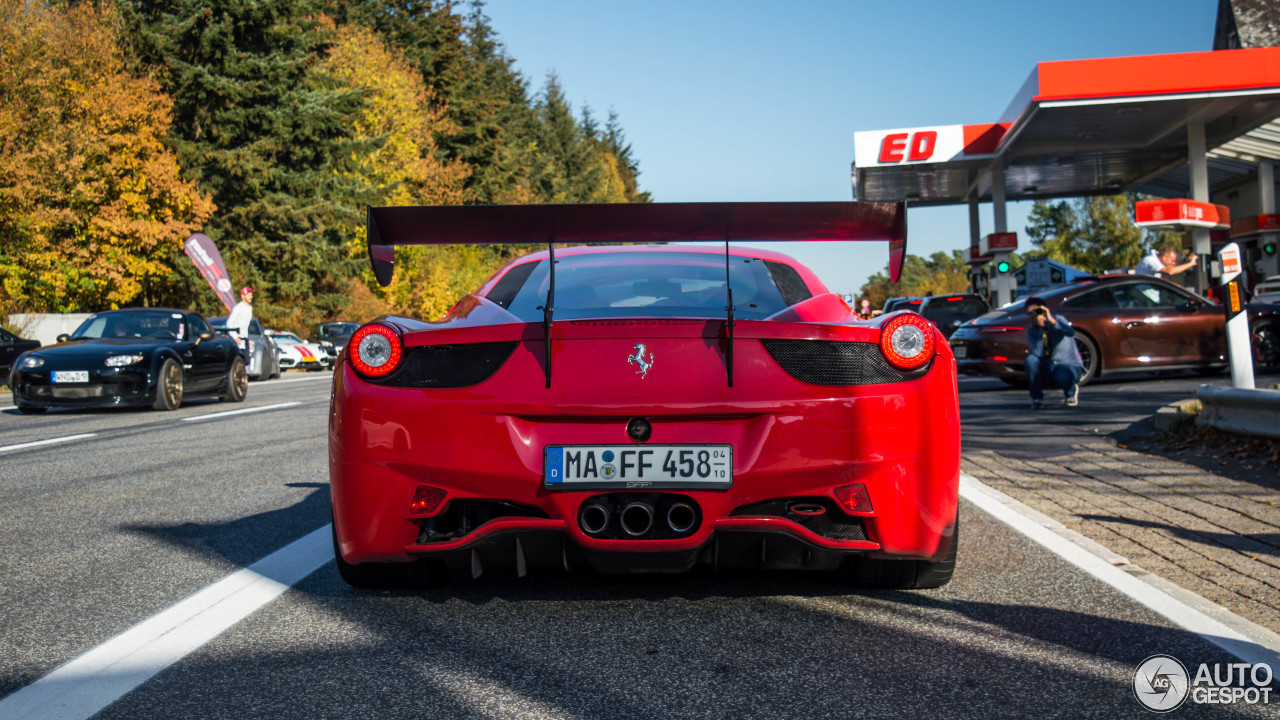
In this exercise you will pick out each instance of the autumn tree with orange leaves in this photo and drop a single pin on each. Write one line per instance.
(92, 206)
(397, 128)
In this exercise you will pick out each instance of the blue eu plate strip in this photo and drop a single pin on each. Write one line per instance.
(554, 465)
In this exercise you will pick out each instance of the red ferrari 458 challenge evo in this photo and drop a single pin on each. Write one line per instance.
(645, 408)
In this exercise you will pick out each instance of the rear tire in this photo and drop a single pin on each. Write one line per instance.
(168, 387)
(1089, 354)
(237, 382)
(422, 573)
(906, 574)
(1265, 342)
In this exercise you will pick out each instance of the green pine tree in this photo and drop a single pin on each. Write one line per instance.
(1094, 234)
(573, 168)
(265, 138)
(616, 142)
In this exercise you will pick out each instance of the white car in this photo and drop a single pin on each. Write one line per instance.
(1268, 291)
(295, 352)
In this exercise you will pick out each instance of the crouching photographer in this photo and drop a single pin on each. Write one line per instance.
(1054, 360)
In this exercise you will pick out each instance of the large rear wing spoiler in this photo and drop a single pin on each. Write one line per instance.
(633, 223)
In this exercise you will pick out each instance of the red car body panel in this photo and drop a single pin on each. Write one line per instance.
(790, 439)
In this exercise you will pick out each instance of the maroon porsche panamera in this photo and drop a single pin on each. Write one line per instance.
(1124, 323)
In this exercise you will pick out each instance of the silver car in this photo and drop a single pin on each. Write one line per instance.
(264, 359)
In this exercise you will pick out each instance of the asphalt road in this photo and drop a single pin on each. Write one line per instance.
(102, 532)
(995, 416)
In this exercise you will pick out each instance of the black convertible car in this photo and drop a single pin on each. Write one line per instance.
(131, 357)
(11, 346)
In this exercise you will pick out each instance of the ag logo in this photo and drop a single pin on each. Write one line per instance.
(1161, 683)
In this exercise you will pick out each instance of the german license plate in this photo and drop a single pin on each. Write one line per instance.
(959, 351)
(61, 376)
(587, 467)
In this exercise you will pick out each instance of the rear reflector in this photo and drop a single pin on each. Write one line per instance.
(854, 498)
(426, 500)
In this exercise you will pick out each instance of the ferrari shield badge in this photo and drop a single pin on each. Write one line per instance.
(638, 358)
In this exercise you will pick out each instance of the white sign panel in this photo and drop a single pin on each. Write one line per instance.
(911, 146)
(1229, 256)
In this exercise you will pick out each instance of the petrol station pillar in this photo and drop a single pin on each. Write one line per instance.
(975, 224)
(1004, 281)
(1267, 206)
(977, 269)
(1200, 193)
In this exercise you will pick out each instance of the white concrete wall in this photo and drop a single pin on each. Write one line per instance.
(45, 327)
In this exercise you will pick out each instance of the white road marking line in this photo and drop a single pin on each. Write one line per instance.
(50, 441)
(84, 686)
(260, 408)
(1009, 511)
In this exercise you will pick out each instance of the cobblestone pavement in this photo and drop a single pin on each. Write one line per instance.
(1212, 535)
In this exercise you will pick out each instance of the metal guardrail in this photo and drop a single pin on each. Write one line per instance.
(1252, 412)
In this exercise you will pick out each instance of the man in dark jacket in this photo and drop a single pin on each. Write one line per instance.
(1054, 359)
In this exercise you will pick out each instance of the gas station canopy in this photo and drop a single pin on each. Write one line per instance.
(1090, 127)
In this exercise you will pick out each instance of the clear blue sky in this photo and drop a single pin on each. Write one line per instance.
(753, 101)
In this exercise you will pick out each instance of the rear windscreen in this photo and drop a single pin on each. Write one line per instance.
(642, 284)
(941, 311)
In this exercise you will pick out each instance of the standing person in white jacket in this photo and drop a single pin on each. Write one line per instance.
(239, 319)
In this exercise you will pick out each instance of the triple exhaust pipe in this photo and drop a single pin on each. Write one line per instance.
(637, 518)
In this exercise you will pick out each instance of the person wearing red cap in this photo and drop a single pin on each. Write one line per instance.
(239, 319)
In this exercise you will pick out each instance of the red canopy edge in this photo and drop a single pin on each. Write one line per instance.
(633, 223)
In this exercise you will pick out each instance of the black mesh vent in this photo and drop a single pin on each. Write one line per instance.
(832, 524)
(462, 517)
(450, 366)
(832, 362)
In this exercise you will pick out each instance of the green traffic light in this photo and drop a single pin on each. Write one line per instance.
(1269, 248)
(1002, 267)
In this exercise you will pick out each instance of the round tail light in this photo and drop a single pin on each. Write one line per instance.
(377, 350)
(907, 341)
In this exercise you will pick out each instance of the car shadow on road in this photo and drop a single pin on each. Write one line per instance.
(192, 402)
(241, 541)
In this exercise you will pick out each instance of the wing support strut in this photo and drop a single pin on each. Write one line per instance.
(549, 308)
(728, 326)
